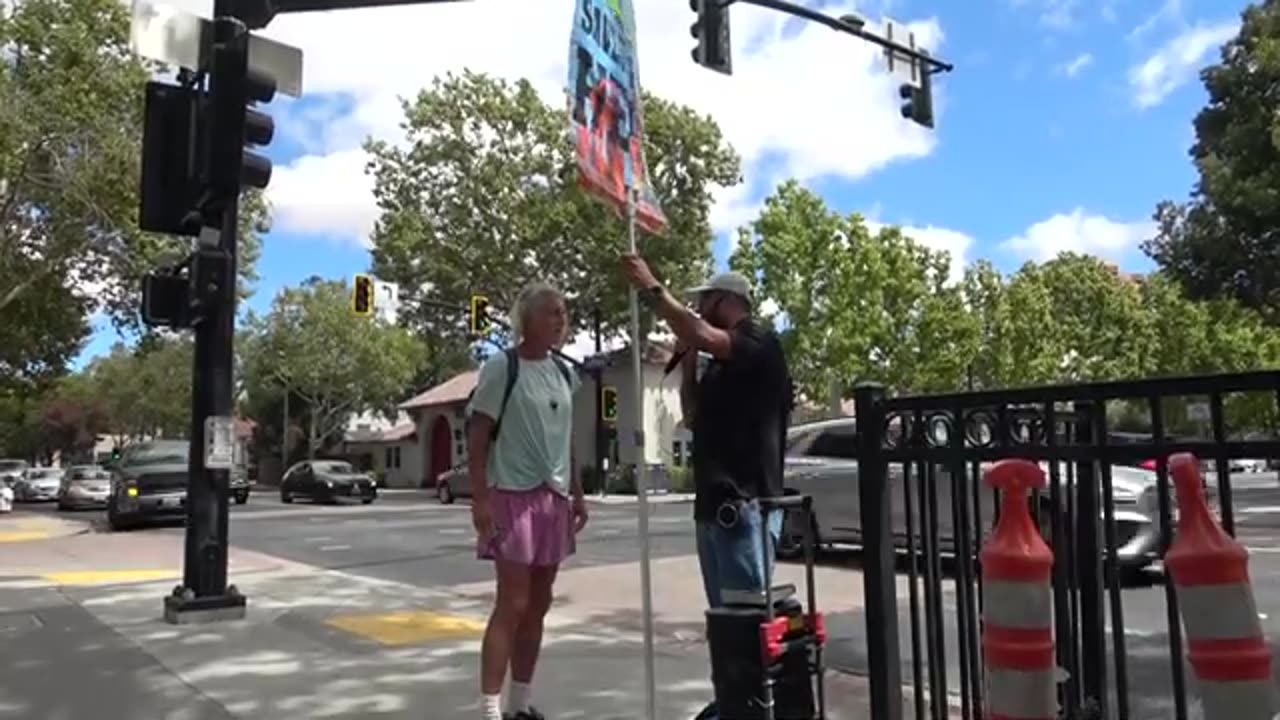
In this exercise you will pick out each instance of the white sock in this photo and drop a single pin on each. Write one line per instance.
(490, 707)
(518, 696)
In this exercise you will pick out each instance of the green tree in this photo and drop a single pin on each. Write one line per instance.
(484, 198)
(1225, 241)
(857, 305)
(146, 389)
(336, 363)
(70, 146)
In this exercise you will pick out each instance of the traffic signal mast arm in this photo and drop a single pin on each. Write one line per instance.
(258, 14)
(577, 364)
(855, 29)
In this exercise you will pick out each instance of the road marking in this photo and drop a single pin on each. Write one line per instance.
(408, 627)
(108, 577)
(331, 548)
(23, 536)
(1264, 550)
(1259, 510)
(452, 531)
(317, 539)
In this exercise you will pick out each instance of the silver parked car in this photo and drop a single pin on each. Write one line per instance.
(39, 485)
(452, 484)
(11, 471)
(84, 486)
(821, 462)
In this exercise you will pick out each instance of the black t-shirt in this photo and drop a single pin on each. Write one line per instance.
(740, 422)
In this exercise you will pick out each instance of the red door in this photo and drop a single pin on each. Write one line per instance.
(441, 448)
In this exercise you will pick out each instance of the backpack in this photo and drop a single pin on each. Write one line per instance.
(513, 372)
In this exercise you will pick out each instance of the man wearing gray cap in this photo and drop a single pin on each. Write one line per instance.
(738, 410)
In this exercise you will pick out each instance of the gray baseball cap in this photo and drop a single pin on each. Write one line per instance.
(729, 282)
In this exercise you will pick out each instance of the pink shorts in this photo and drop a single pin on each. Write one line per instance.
(533, 527)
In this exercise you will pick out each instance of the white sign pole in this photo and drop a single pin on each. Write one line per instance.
(642, 477)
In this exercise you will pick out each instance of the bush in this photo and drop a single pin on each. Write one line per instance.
(681, 479)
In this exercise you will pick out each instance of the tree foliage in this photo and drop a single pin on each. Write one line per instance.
(145, 389)
(336, 363)
(858, 306)
(70, 147)
(853, 305)
(1225, 240)
(484, 199)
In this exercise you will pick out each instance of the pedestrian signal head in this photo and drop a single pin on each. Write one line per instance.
(362, 295)
(479, 315)
(609, 403)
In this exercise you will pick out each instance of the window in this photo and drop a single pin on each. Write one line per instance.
(393, 457)
(677, 453)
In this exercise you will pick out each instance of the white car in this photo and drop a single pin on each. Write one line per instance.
(6, 497)
(39, 484)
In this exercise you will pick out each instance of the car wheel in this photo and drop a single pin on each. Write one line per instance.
(366, 501)
(285, 497)
(114, 521)
(444, 493)
(242, 498)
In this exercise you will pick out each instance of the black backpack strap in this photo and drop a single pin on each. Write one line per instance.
(513, 372)
(564, 370)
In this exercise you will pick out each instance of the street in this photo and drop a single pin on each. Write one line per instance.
(345, 577)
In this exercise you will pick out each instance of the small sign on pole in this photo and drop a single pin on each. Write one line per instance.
(386, 301)
(219, 443)
(902, 66)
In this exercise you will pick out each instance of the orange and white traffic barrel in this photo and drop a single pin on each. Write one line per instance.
(1017, 594)
(1225, 643)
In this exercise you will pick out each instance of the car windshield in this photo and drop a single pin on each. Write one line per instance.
(336, 468)
(45, 474)
(159, 454)
(84, 474)
(10, 465)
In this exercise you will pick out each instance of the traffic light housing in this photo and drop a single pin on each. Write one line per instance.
(479, 320)
(917, 103)
(236, 126)
(714, 50)
(167, 193)
(362, 296)
(609, 403)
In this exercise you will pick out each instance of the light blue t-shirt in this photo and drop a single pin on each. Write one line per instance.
(533, 446)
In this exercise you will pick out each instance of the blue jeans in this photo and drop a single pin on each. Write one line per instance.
(734, 558)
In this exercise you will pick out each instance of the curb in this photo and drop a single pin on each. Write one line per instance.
(665, 499)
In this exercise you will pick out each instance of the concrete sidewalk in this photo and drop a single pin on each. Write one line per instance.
(326, 644)
(21, 526)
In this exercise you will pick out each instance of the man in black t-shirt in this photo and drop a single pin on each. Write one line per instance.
(738, 411)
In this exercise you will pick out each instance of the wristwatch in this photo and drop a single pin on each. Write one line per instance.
(651, 295)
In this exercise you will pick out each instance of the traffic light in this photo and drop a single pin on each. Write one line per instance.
(168, 193)
(479, 322)
(609, 403)
(234, 89)
(918, 100)
(362, 295)
(714, 50)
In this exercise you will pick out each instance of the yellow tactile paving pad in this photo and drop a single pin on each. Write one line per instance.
(408, 627)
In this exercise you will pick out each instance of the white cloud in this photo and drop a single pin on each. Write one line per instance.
(956, 243)
(1076, 65)
(1081, 233)
(1177, 61)
(781, 103)
(1053, 13)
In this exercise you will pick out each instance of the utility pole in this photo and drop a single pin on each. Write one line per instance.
(598, 435)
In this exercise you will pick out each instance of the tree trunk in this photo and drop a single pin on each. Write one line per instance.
(312, 439)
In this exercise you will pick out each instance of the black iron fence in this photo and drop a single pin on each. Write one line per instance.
(923, 504)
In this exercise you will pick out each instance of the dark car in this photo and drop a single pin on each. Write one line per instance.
(327, 481)
(149, 483)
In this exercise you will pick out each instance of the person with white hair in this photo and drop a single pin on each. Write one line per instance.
(527, 506)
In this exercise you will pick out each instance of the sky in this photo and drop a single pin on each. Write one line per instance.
(1062, 125)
